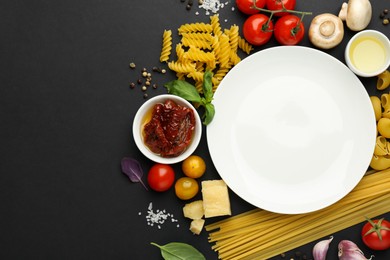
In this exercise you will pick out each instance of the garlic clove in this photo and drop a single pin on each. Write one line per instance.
(348, 250)
(321, 248)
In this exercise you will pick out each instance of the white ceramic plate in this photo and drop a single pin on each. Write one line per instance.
(294, 130)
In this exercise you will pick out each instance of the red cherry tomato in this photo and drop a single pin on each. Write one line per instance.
(274, 5)
(257, 29)
(289, 30)
(161, 177)
(376, 234)
(245, 6)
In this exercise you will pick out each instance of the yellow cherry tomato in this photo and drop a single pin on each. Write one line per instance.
(186, 188)
(194, 166)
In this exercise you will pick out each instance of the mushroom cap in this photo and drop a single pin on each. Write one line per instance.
(326, 31)
(359, 13)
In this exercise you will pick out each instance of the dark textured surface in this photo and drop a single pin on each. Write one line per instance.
(66, 112)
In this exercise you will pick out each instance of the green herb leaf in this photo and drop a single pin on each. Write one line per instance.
(183, 89)
(208, 86)
(179, 251)
(209, 113)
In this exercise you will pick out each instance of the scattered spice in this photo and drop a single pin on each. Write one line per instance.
(158, 217)
(145, 78)
(383, 16)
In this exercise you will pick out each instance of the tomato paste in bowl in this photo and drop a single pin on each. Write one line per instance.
(167, 129)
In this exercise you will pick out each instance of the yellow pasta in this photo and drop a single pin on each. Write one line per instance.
(181, 67)
(197, 54)
(198, 36)
(195, 27)
(180, 52)
(216, 26)
(244, 45)
(197, 43)
(262, 234)
(166, 46)
(221, 72)
(233, 37)
(234, 58)
(204, 46)
(224, 46)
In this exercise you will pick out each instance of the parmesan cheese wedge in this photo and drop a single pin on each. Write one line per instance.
(215, 198)
(194, 210)
(196, 226)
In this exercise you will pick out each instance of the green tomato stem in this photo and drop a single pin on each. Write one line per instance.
(272, 12)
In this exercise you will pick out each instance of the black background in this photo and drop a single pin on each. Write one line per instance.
(66, 113)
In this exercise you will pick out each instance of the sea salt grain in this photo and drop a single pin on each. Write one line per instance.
(158, 217)
(212, 6)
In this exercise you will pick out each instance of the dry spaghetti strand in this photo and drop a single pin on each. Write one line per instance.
(262, 234)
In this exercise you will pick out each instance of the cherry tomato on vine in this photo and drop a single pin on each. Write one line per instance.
(257, 29)
(274, 5)
(245, 6)
(376, 234)
(161, 177)
(186, 188)
(289, 30)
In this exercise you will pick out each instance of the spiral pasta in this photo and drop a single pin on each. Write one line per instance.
(244, 45)
(195, 27)
(215, 25)
(181, 67)
(166, 46)
(204, 46)
(197, 43)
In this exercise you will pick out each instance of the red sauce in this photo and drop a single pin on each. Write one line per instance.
(170, 129)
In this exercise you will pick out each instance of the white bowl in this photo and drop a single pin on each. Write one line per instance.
(368, 53)
(139, 122)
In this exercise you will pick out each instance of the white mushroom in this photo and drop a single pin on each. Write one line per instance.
(326, 31)
(357, 14)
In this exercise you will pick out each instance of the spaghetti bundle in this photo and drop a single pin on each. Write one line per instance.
(259, 234)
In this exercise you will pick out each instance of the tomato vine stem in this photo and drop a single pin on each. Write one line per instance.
(284, 9)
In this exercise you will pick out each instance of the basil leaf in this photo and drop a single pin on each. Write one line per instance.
(179, 251)
(209, 113)
(208, 86)
(132, 168)
(183, 89)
